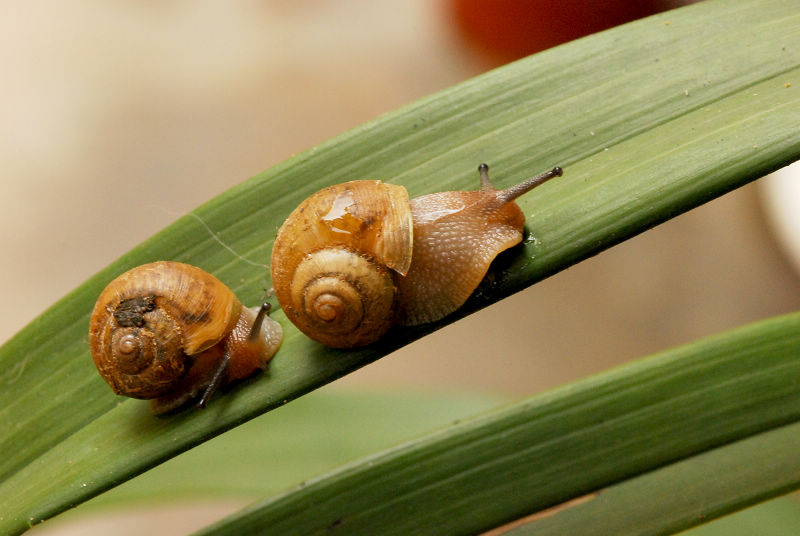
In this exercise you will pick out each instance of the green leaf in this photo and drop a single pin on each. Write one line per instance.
(779, 517)
(575, 441)
(315, 434)
(686, 493)
(648, 120)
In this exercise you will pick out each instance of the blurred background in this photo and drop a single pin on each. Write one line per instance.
(119, 117)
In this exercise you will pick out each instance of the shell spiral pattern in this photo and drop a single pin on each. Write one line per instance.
(148, 320)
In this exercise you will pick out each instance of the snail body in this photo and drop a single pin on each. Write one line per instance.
(355, 258)
(171, 332)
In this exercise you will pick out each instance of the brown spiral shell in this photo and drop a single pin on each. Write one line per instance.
(334, 258)
(149, 319)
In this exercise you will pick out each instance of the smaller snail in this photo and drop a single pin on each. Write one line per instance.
(355, 258)
(171, 332)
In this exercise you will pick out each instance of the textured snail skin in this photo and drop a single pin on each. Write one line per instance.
(356, 258)
(457, 235)
(160, 331)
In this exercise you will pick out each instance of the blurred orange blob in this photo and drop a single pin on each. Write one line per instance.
(506, 30)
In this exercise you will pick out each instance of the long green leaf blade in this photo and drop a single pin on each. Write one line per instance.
(649, 120)
(574, 441)
(315, 434)
(685, 494)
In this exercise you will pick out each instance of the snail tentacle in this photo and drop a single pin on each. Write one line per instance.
(216, 381)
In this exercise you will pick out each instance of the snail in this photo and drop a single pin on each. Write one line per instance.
(171, 332)
(355, 258)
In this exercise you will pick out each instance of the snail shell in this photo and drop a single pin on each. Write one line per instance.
(356, 258)
(162, 330)
(334, 260)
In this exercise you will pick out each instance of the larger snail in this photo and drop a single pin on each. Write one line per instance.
(355, 258)
(172, 333)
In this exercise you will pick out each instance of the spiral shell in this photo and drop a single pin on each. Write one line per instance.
(334, 260)
(150, 318)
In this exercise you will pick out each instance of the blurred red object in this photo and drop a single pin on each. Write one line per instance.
(506, 30)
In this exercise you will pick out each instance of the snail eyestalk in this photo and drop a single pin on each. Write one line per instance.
(509, 194)
(216, 381)
(486, 184)
(263, 312)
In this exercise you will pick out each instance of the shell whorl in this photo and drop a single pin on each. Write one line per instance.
(333, 261)
(148, 320)
(343, 298)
